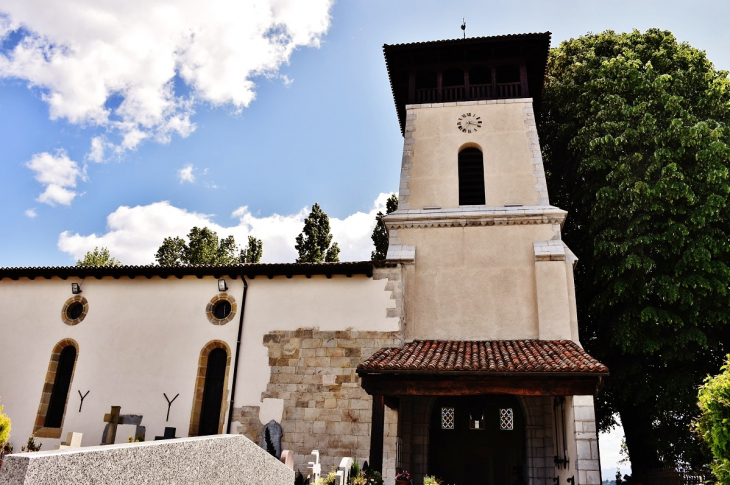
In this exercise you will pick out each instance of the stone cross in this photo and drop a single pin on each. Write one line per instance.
(114, 419)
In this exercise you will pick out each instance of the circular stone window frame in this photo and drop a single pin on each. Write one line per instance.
(76, 299)
(211, 305)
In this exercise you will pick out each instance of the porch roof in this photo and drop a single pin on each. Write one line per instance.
(450, 367)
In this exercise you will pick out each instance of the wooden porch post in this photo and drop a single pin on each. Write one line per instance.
(523, 81)
(412, 87)
(376, 433)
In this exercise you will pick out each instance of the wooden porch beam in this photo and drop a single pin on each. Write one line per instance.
(461, 385)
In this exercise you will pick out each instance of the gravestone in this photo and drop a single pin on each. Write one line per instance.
(73, 440)
(114, 419)
(275, 434)
(287, 458)
(169, 434)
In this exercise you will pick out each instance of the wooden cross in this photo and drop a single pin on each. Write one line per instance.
(113, 419)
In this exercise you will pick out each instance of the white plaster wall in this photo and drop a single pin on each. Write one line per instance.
(140, 338)
(474, 282)
(339, 303)
(509, 174)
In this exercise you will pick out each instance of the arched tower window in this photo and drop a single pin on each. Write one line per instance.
(211, 390)
(59, 376)
(471, 177)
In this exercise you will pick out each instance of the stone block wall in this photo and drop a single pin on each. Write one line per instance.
(325, 408)
(540, 439)
(587, 462)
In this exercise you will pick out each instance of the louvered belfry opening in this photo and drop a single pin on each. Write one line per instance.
(471, 177)
(59, 394)
(215, 376)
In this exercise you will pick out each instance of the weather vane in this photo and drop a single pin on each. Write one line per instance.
(463, 26)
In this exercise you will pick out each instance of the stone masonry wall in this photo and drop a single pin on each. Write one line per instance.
(325, 408)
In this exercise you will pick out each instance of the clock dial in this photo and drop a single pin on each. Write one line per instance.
(469, 122)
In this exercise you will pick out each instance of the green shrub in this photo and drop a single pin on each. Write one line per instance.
(4, 427)
(713, 426)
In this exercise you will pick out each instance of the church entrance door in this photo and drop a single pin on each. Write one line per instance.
(477, 440)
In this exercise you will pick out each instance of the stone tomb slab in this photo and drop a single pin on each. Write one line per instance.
(201, 460)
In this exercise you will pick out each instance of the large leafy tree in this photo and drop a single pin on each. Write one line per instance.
(98, 257)
(636, 143)
(204, 247)
(314, 243)
(380, 234)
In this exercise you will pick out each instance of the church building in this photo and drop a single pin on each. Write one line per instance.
(458, 356)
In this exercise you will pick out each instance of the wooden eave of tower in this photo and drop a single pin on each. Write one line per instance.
(528, 52)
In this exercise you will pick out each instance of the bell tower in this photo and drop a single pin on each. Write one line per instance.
(481, 242)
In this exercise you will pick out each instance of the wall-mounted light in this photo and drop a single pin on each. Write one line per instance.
(222, 285)
(75, 288)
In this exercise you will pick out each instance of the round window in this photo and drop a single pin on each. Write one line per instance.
(75, 310)
(221, 309)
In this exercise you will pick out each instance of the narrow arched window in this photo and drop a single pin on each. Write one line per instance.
(471, 177)
(211, 389)
(215, 376)
(59, 394)
(54, 398)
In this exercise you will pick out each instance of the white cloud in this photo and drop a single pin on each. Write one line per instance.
(114, 64)
(30, 213)
(134, 233)
(185, 174)
(58, 173)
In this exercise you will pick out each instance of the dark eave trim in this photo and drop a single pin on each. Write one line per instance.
(217, 271)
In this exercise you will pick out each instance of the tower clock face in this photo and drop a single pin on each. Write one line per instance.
(469, 122)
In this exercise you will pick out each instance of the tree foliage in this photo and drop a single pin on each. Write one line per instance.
(204, 247)
(380, 235)
(253, 251)
(314, 243)
(713, 426)
(634, 129)
(98, 257)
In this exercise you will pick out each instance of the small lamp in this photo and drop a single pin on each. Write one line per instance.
(75, 288)
(222, 285)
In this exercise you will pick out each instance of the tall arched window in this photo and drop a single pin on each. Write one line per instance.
(211, 390)
(471, 177)
(52, 407)
(215, 376)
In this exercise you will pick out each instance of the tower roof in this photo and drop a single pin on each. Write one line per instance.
(406, 62)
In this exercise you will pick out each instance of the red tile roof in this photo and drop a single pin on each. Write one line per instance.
(485, 356)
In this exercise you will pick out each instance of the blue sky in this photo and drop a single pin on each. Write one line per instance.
(123, 124)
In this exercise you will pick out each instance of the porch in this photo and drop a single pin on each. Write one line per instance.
(499, 412)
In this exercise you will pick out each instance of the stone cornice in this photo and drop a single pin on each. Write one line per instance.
(475, 216)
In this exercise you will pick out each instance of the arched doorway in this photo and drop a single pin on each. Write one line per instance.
(477, 440)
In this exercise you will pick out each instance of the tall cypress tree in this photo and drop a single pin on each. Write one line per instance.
(314, 243)
(380, 235)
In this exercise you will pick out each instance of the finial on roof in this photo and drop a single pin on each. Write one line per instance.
(463, 26)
